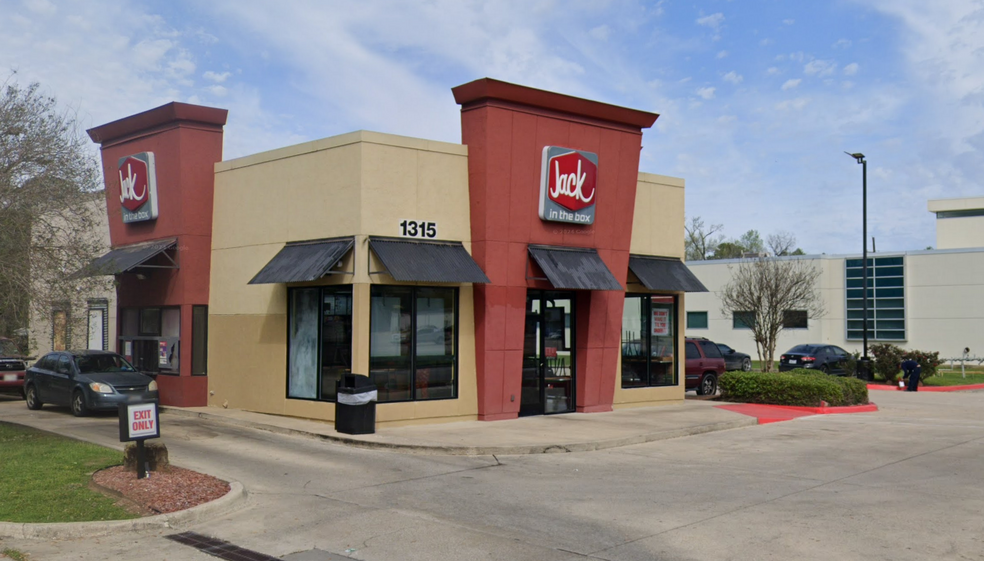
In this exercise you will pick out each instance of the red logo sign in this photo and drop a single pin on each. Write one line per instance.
(134, 188)
(572, 180)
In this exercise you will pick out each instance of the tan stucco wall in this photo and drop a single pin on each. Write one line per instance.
(657, 224)
(358, 184)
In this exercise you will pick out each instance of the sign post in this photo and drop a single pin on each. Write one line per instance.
(138, 422)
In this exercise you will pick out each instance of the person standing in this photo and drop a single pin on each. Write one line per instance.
(911, 371)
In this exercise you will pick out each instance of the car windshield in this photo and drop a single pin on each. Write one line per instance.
(102, 363)
(806, 349)
(724, 348)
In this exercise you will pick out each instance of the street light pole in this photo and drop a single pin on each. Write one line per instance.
(864, 257)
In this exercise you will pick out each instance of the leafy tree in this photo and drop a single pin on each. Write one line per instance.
(728, 250)
(700, 242)
(751, 242)
(48, 182)
(769, 288)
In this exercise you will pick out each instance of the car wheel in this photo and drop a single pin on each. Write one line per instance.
(708, 385)
(746, 365)
(31, 397)
(79, 407)
(824, 369)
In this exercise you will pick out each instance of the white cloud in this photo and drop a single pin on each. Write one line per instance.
(713, 21)
(706, 93)
(601, 32)
(772, 71)
(216, 77)
(793, 104)
(820, 68)
(842, 44)
(766, 42)
(733, 77)
(721, 54)
(851, 69)
(790, 84)
(42, 7)
(217, 90)
(789, 21)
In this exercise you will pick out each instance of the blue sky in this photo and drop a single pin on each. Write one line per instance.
(758, 100)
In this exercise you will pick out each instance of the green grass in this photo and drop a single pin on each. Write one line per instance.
(45, 478)
(14, 554)
(953, 378)
(757, 366)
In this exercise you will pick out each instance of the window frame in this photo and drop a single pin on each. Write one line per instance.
(647, 314)
(412, 369)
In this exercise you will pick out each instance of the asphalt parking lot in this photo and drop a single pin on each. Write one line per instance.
(901, 483)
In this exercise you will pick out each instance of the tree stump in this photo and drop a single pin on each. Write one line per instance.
(155, 452)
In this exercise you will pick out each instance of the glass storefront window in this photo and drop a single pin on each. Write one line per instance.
(649, 341)
(302, 366)
(320, 341)
(412, 344)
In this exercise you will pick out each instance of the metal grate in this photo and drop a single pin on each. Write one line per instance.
(219, 548)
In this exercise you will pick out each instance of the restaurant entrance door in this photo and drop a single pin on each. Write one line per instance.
(548, 354)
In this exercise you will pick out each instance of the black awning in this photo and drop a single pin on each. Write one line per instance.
(574, 268)
(128, 257)
(304, 261)
(426, 261)
(664, 273)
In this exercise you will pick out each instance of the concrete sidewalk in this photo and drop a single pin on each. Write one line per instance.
(575, 432)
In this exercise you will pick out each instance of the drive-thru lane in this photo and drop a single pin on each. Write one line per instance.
(901, 483)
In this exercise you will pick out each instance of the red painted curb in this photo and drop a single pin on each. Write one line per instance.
(776, 413)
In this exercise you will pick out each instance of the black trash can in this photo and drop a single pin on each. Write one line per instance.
(355, 405)
(864, 369)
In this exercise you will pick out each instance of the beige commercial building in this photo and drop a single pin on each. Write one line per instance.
(930, 300)
(531, 269)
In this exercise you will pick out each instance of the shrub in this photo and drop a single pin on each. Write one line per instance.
(888, 357)
(929, 361)
(801, 387)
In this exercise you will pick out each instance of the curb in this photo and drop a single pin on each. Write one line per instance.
(439, 450)
(70, 530)
(930, 388)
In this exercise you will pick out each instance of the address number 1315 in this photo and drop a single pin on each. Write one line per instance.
(414, 229)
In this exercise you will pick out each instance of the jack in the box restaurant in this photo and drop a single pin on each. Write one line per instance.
(530, 270)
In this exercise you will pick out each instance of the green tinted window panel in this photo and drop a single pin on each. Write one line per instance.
(888, 271)
(890, 335)
(857, 314)
(890, 324)
(856, 273)
(892, 281)
(855, 283)
(889, 303)
(891, 292)
(856, 305)
(882, 261)
(852, 263)
(890, 314)
(697, 320)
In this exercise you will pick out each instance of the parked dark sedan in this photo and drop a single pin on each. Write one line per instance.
(733, 360)
(828, 359)
(86, 381)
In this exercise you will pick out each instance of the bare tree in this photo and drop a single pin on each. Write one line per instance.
(48, 181)
(781, 243)
(701, 242)
(765, 290)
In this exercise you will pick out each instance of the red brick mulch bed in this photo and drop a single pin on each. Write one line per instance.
(169, 490)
